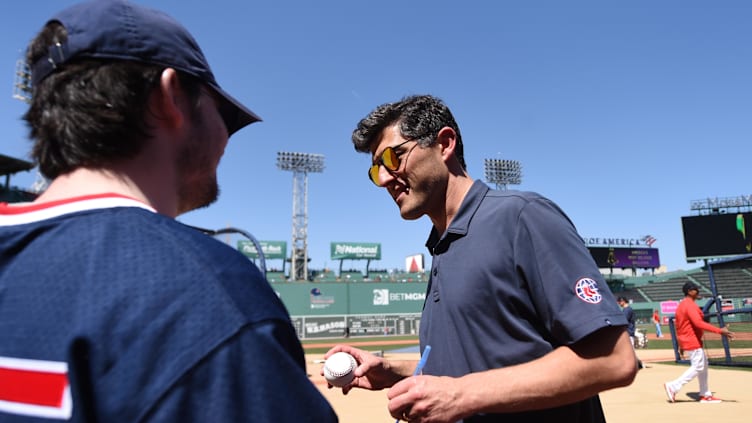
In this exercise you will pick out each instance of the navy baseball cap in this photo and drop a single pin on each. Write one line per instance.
(120, 30)
(690, 286)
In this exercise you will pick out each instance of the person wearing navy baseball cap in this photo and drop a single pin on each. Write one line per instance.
(110, 309)
(119, 30)
(689, 286)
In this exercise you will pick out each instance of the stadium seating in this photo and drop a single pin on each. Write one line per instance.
(378, 276)
(733, 280)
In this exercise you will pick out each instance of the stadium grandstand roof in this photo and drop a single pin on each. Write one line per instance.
(10, 165)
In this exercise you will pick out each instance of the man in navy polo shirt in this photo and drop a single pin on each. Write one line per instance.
(521, 324)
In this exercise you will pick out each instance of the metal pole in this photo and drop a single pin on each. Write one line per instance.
(256, 244)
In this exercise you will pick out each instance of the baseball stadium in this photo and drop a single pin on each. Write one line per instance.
(379, 310)
(154, 268)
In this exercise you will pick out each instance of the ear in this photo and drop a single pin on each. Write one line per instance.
(447, 140)
(168, 100)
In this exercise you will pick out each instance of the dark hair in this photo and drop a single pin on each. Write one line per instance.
(89, 112)
(622, 299)
(419, 118)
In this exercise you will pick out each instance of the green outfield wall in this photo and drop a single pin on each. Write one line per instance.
(325, 310)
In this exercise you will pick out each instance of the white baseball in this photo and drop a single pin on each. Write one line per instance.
(339, 368)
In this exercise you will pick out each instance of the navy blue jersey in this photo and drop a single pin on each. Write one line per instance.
(112, 312)
(510, 281)
(629, 315)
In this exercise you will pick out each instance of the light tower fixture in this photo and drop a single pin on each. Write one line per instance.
(22, 82)
(300, 164)
(503, 172)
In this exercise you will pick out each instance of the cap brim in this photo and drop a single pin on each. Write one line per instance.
(234, 113)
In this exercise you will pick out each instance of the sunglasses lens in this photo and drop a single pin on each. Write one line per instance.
(389, 158)
(373, 174)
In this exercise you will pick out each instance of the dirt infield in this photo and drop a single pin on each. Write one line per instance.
(643, 401)
(710, 336)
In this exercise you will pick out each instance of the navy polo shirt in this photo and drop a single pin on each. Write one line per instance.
(510, 281)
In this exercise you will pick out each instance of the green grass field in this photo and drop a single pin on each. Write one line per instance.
(387, 343)
(375, 343)
(743, 330)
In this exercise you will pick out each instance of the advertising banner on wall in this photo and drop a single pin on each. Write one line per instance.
(336, 309)
(312, 327)
(314, 300)
(414, 263)
(271, 249)
(355, 251)
(380, 298)
(632, 257)
(669, 307)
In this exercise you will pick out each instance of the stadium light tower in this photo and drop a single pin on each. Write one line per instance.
(22, 82)
(22, 91)
(300, 164)
(503, 172)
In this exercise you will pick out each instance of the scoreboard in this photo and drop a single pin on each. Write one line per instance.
(717, 235)
(625, 257)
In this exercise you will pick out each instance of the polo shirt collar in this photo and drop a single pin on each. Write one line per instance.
(459, 225)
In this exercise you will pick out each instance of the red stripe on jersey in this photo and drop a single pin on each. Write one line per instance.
(33, 387)
(29, 207)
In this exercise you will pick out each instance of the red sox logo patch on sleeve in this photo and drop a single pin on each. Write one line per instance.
(35, 388)
(587, 290)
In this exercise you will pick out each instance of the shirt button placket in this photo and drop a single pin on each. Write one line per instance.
(435, 282)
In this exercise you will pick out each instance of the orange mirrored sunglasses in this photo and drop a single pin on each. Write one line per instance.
(389, 159)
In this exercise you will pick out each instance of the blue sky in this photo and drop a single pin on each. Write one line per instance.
(621, 112)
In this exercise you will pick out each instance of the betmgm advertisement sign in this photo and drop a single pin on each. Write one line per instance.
(271, 249)
(355, 251)
(337, 298)
(385, 297)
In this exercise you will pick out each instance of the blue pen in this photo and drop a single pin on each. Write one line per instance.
(421, 364)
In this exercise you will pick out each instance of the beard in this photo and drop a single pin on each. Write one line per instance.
(201, 194)
(197, 176)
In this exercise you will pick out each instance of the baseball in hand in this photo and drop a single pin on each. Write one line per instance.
(339, 368)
